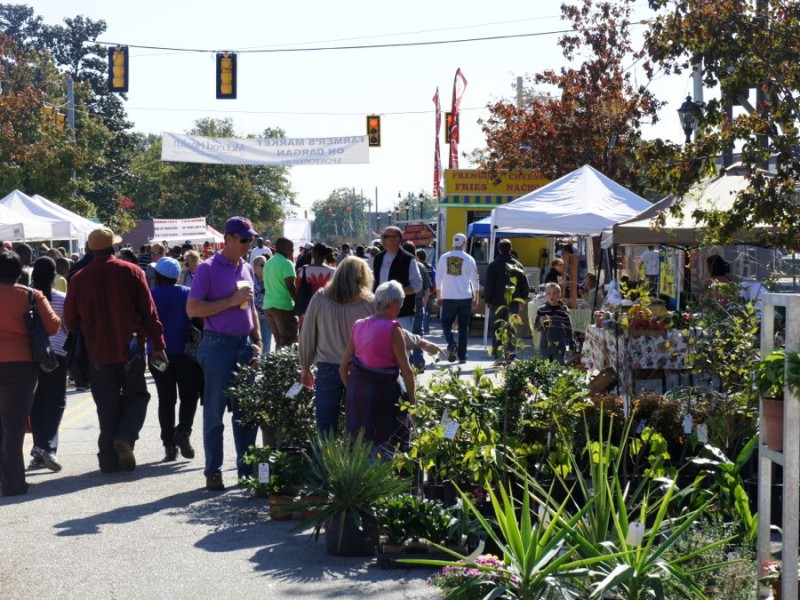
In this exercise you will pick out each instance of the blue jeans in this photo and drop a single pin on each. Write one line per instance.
(266, 333)
(219, 354)
(329, 398)
(49, 403)
(461, 310)
(426, 318)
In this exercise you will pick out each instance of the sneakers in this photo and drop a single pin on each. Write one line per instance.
(182, 440)
(170, 453)
(214, 482)
(452, 350)
(43, 458)
(127, 460)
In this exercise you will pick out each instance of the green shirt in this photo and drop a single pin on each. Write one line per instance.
(276, 294)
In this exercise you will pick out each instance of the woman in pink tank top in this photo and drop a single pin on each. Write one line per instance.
(375, 356)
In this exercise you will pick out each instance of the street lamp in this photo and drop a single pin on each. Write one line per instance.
(421, 201)
(687, 114)
(407, 205)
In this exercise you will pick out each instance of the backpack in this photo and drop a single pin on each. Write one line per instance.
(303, 295)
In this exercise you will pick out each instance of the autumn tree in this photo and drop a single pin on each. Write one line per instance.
(749, 51)
(341, 217)
(590, 113)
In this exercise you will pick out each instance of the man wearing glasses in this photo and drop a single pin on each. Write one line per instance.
(395, 264)
(156, 254)
(222, 294)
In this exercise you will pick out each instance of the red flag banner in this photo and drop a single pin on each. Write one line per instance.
(437, 153)
(459, 85)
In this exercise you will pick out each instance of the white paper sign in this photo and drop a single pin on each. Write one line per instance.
(702, 433)
(449, 425)
(296, 388)
(687, 424)
(263, 472)
(635, 534)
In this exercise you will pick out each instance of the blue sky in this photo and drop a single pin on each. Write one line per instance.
(328, 93)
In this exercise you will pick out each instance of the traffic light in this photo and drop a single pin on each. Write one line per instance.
(60, 121)
(374, 130)
(226, 76)
(118, 69)
(448, 125)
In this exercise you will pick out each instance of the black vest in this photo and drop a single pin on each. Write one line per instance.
(398, 271)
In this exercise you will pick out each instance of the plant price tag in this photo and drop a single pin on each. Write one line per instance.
(702, 433)
(263, 472)
(687, 424)
(296, 388)
(635, 534)
(450, 426)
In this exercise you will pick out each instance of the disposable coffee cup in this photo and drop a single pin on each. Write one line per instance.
(244, 285)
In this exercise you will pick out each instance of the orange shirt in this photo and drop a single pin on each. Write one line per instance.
(15, 344)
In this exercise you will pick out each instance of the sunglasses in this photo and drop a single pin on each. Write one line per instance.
(244, 240)
(384, 236)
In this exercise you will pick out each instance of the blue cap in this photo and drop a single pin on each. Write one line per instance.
(168, 267)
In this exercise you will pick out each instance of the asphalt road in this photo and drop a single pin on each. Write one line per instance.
(157, 532)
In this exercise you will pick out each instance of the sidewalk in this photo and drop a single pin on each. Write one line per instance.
(157, 533)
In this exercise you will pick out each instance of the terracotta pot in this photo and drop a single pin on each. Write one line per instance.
(310, 513)
(772, 422)
(279, 508)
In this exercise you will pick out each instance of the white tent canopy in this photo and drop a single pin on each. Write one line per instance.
(83, 225)
(715, 193)
(16, 226)
(61, 228)
(583, 202)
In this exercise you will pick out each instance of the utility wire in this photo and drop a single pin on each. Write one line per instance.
(357, 47)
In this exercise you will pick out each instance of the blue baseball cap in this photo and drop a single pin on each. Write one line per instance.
(168, 267)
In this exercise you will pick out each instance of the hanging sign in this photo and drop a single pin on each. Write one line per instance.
(285, 152)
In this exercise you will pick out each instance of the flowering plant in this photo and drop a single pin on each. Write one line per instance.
(772, 573)
(469, 579)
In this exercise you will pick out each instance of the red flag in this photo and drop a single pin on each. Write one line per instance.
(459, 85)
(437, 154)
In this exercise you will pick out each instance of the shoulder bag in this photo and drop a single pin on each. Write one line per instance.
(43, 354)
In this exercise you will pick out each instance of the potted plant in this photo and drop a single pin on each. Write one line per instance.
(271, 398)
(777, 371)
(348, 482)
(286, 469)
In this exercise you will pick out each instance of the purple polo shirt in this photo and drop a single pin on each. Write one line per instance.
(216, 279)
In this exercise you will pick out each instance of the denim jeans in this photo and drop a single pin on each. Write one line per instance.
(329, 398)
(219, 354)
(461, 310)
(266, 332)
(426, 318)
(49, 403)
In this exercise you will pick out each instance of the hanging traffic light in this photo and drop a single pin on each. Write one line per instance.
(118, 69)
(60, 121)
(374, 130)
(226, 76)
(448, 127)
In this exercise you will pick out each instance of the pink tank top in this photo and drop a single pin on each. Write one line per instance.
(372, 340)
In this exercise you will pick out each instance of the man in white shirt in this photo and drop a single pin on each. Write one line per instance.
(652, 267)
(259, 250)
(457, 294)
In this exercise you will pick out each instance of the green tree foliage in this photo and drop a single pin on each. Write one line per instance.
(341, 217)
(590, 114)
(738, 45)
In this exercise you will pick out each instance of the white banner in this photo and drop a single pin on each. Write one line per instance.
(179, 228)
(345, 150)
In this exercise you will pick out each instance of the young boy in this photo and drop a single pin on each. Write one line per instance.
(555, 325)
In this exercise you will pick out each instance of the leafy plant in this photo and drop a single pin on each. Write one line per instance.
(777, 370)
(262, 392)
(347, 482)
(286, 471)
(407, 517)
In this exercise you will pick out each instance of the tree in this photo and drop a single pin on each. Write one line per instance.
(341, 217)
(591, 114)
(737, 46)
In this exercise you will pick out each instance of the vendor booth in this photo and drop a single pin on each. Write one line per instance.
(22, 227)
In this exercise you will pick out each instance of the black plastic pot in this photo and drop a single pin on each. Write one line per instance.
(355, 541)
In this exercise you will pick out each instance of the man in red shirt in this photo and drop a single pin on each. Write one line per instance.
(111, 303)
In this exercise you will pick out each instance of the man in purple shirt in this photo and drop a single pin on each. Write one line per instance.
(222, 294)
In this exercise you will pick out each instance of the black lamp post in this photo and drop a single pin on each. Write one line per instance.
(687, 114)
(421, 202)
(407, 206)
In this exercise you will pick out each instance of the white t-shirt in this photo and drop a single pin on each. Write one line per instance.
(456, 276)
(255, 252)
(650, 259)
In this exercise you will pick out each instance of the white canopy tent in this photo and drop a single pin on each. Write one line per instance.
(715, 193)
(82, 225)
(61, 228)
(581, 203)
(23, 227)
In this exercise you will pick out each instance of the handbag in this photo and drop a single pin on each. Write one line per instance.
(193, 336)
(41, 350)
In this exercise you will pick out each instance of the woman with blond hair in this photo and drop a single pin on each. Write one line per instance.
(191, 259)
(325, 334)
